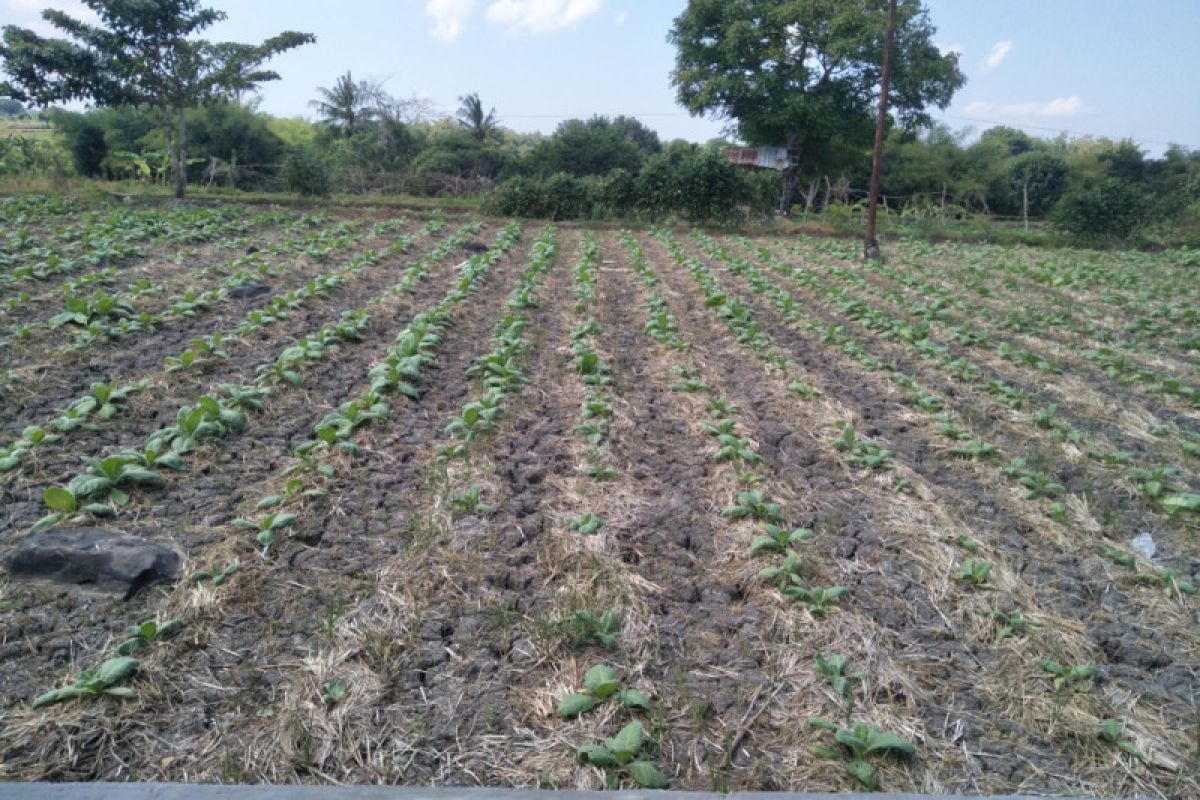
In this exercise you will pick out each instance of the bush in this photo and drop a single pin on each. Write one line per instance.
(1109, 209)
(305, 174)
(618, 193)
(518, 197)
(568, 197)
(710, 188)
(658, 188)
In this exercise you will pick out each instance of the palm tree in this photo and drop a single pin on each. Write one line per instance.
(470, 115)
(348, 105)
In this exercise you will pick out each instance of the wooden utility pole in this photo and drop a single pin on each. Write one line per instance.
(871, 243)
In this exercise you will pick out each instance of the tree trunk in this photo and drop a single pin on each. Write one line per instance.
(181, 153)
(791, 177)
(1025, 203)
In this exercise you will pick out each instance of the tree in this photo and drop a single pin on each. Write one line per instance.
(349, 105)
(587, 147)
(1038, 178)
(470, 115)
(803, 74)
(11, 108)
(143, 53)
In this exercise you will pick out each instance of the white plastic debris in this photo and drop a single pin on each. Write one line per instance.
(1143, 545)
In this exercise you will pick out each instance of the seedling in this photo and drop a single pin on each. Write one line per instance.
(753, 504)
(834, 668)
(293, 490)
(777, 539)
(1112, 731)
(588, 524)
(468, 502)
(857, 743)
(333, 692)
(215, 574)
(818, 600)
(148, 633)
(1118, 557)
(602, 472)
(1169, 581)
(600, 683)
(975, 448)
(963, 541)
(586, 627)
(63, 504)
(267, 526)
(1066, 679)
(621, 755)
(974, 572)
(91, 683)
(105, 477)
(786, 574)
(1174, 503)
(1039, 485)
(1012, 623)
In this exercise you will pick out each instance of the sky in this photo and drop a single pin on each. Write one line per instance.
(1087, 67)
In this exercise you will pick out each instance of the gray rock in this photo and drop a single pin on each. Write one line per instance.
(106, 560)
(248, 292)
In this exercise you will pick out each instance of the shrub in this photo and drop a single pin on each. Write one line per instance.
(1109, 209)
(305, 174)
(518, 197)
(568, 197)
(618, 193)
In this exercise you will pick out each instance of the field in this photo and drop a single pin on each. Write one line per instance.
(459, 497)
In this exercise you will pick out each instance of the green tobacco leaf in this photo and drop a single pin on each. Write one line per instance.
(632, 698)
(880, 742)
(627, 741)
(57, 696)
(596, 755)
(116, 670)
(647, 775)
(601, 681)
(575, 704)
(1180, 502)
(864, 773)
(59, 499)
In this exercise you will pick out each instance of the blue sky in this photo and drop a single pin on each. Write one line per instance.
(1098, 67)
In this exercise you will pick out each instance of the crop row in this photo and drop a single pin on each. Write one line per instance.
(1153, 479)
(102, 488)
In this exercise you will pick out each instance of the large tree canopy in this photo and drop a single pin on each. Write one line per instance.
(141, 54)
(804, 74)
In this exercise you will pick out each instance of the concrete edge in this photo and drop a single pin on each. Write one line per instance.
(175, 791)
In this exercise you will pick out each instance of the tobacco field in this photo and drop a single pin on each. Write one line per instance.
(470, 501)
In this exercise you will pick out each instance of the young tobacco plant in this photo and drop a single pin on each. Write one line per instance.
(777, 539)
(469, 502)
(266, 526)
(215, 574)
(600, 684)
(621, 756)
(1113, 732)
(589, 524)
(148, 633)
(586, 627)
(1068, 679)
(974, 573)
(857, 743)
(834, 668)
(91, 683)
(1012, 623)
(753, 504)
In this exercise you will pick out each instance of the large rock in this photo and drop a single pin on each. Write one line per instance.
(109, 561)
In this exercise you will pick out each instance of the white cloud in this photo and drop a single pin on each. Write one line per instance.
(953, 47)
(1058, 107)
(449, 16)
(999, 52)
(539, 16)
(622, 16)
